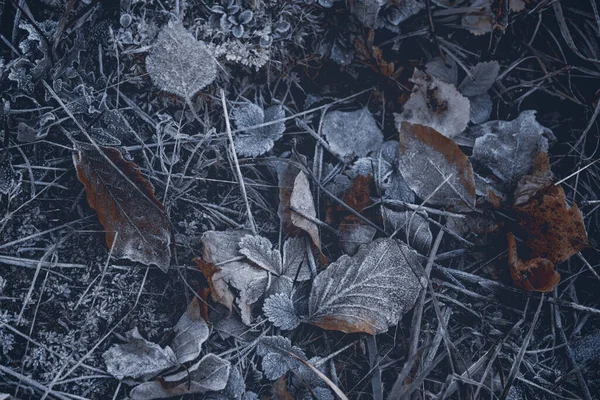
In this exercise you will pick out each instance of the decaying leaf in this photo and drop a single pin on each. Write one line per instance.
(302, 204)
(354, 231)
(221, 266)
(190, 332)
(519, 141)
(427, 159)
(276, 359)
(136, 225)
(436, 104)
(138, 358)
(535, 275)
(352, 132)
(209, 374)
(410, 227)
(253, 142)
(180, 64)
(368, 292)
(280, 390)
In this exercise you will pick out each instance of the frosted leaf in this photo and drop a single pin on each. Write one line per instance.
(190, 332)
(258, 250)
(353, 132)
(481, 108)
(410, 227)
(235, 389)
(320, 393)
(366, 11)
(517, 141)
(447, 71)
(587, 349)
(250, 396)
(368, 292)
(352, 236)
(279, 309)
(229, 325)
(427, 159)
(220, 248)
(210, 374)
(481, 20)
(483, 76)
(138, 358)
(276, 358)
(180, 64)
(436, 104)
(7, 172)
(295, 259)
(253, 142)
(302, 205)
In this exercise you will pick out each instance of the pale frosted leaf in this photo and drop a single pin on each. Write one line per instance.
(258, 250)
(209, 374)
(190, 332)
(295, 259)
(180, 64)
(368, 292)
(253, 142)
(481, 108)
(138, 358)
(276, 358)
(508, 148)
(483, 76)
(410, 227)
(7, 172)
(436, 104)
(366, 11)
(353, 132)
(220, 248)
(428, 159)
(279, 309)
(301, 201)
(355, 235)
(447, 71)
(235, 389)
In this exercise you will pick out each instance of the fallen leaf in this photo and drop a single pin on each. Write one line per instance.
(276, 358)
(436, 104)
(180, 64)
(279, 309)
(280, 390)
(8, 176)
(539, 178)
(221, 266)
(483, 76)
(368, 292)
(136, 225)
(427, 159)
(138, 358)
(190, 332)
(253, 142)
(411, 227)
(535, 275)
(209, 374)
(352, 132)
(302, 204)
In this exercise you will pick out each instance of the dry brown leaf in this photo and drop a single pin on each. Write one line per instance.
(427, 158)
(136, 225)
(535, 275)
(354, 230)
(280, 390)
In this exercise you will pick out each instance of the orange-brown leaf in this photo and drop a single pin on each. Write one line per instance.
(136, 225)
(535, 275)
(218, 288)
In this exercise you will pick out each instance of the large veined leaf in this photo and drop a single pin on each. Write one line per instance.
(435, 168)
(136, 225)
(180, 64)
(368, 292)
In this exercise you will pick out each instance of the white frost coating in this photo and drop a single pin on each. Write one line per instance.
(436, 104)
(275, 351)
(253, 142)
(353, 132)
(373, 289)
(303, 203)
(190, 332)
(180, 64)
(279, 309)
(138, 358)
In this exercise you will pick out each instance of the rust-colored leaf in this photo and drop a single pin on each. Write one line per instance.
(136, 225)
(218, 288)
(280, 390)
(354, 230)
(535, 275)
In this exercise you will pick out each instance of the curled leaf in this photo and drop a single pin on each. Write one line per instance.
(190, 332)
(535, 275)
(302, 205)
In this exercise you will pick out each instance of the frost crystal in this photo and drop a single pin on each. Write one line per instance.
(354, 132)
(256, 141)
(180, 64)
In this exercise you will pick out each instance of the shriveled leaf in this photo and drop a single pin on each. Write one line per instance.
(302, 204)
(209, 374)
(353, 132)
(180, 64)
(138, 358)
(222, 269)
(427, 159)
(535, 275)
(368, 292)
(279, 309)
(136, 225)
(483, 76)
(258, 250)
(436, 104)
(190, 332)
(519, 141)
(410, 227)
(276, 358)
(253, 142)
